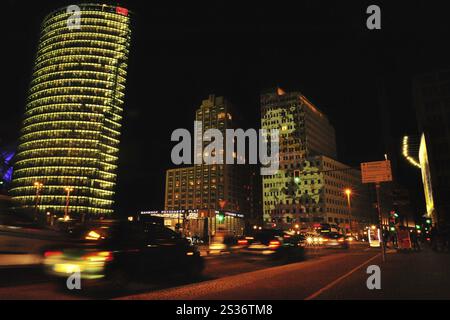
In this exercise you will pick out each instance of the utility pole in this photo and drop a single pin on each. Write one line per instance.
(377, 172)
(380, 217)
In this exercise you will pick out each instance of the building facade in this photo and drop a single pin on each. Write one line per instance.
(431, 94)
(309, 186)
(69, 145)
(207, 186)
(315, 192)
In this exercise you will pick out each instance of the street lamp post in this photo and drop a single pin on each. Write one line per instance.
(38, 185)
(66, 211)
(348, 193)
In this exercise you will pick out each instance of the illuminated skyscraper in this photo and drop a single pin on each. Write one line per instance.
(72, 123)
(431, 93)
(309, 186)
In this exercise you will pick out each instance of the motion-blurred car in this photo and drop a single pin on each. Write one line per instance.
(115, 253)
(313, 239)
(335, 240)
(350, 238)
(274, 243)
(22, 239)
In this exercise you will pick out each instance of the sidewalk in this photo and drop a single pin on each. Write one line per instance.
(408, 275)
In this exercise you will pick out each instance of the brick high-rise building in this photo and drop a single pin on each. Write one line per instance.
(207, 187)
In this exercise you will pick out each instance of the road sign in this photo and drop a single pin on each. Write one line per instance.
(376, 171)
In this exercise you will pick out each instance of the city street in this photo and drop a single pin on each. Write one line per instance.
(225, 151)
(326, 274)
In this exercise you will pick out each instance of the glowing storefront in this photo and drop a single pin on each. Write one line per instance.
(199, 223)
(69, 141)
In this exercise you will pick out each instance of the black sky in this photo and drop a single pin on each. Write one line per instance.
(183, 51)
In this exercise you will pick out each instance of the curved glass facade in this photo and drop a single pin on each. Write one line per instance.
(71, 129)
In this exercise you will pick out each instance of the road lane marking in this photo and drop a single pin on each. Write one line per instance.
(333, 283)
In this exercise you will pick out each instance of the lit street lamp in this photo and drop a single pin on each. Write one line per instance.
(38, 185)
(66, 211)
(348, 193)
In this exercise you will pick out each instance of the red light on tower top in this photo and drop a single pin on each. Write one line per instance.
(122, 11)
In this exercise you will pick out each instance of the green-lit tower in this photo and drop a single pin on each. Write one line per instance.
(66, 161)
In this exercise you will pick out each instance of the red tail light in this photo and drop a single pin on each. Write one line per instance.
(243, 241)
(274, 243)
(49, 254)
(341, 240)
(101, 256)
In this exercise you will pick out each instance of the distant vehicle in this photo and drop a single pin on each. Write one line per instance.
(313, 239)
(323, 228)
(350, 238)
(335, 240)
(274, 243)
(112, 254)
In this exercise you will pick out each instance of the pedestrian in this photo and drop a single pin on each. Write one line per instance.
(394, 239)
(386, 238)
(415, 241)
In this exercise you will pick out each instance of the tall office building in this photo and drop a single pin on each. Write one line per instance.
(207, 186)
(309, 186)
(69, 144)
(304, 129)
(431, 94)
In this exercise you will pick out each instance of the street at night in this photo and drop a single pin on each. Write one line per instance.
(224, 158)
(327, 274)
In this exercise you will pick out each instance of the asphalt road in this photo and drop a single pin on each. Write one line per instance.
(301, 280)
(229, 276)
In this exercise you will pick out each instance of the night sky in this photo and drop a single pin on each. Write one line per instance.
(181, 52)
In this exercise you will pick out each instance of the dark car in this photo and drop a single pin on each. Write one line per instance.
(274, 243)
(334, 240)
(117, 252)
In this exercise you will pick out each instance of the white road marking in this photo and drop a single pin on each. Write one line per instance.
(333, 283)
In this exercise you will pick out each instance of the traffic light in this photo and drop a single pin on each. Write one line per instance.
(428, 221)
(220, 216)
(417, 227)
(393, 217)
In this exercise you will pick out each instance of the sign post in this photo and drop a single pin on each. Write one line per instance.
(380, 218)
(377, 172)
